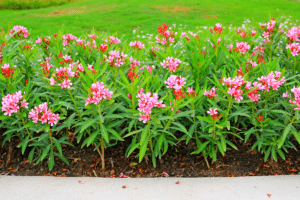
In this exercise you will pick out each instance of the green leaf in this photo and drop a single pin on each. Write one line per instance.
(30, 156)
(143, 149)
(45, 152)
(62, 157)
(133, 132)
(57, 144)
(104, 133)
(223, 142)
(133, 147)
(267, 153)
(182, 128)
(281, 153)
(144, 135)
(115, 133)
(231, 144)
(88, 141)
(51, 161)
(201, 147)
(274, 153)
(88, 123)
(297, 136)
(284, 135)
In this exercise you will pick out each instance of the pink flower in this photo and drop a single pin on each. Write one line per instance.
(211, 93)
(19, 30)
(11, 103)
(175, 82)
(137, 44)
(99, 93)
(43, 114)
(146, 103)
(171, 63)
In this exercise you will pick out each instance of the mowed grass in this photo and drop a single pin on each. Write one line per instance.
(123, 16)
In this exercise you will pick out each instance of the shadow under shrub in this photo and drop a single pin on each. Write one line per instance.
(30, 4)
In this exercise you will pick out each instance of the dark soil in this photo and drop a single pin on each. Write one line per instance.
(176, 162)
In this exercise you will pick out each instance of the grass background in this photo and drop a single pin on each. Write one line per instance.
(123, 16)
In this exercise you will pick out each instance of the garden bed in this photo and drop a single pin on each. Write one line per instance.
(176, 163)
(153, 106)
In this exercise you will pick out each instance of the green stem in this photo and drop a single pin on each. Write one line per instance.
(194, 118)
(229, 107)
(267, 98)
(79, 115)
(102, 143)
(253, 113)
(150, 136)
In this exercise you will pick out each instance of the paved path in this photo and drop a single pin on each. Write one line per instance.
(219, 188)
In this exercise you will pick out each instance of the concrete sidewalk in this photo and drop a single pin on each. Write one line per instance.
(219, 188)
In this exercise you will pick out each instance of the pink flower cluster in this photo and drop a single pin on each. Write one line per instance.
(7, 71)
(271, 81)
(112, 40)
(67, 38)
(62, 75)
(146, 103)
(214, 113)
(18, 30)
(295, 48)
(167, 36)
(11, 103)
(242, 47)
(149, 68)
(137, 44)
(99, 93)
(234, 85)
(294, 34)
(296, 100)
(211, 93)
(218, 29)
(175, 82)
(171, 63)
(115, 58)
(42, 114)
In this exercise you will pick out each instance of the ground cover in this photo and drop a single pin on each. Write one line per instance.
(201, 94)
(116, 16)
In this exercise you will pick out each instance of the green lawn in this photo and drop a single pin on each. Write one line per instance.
(123, 16)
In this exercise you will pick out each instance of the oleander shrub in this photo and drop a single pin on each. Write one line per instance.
(178, 86)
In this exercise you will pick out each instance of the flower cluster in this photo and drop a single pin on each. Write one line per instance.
(234, 87)
(7, 71)
(271, 81)
(149, 68)
(175, 82)
(214, 113)
(269, 29)
(167, 36)
(11, 103)
(19, 30)
(294, 48)
(241, 47)
(44, 42)
(43, 114)
(296, 99)
(146, 102)
(115, 58)
(243, 33)
(294, 34)
(67, 38)
(99, 93)
(190, 91)
(218, 29)
(46, 66)
(63, 76)
(171, 63)
(211, 93)
(137, 44)
(112, 40)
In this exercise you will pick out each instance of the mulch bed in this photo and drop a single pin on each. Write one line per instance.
(177, 162)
